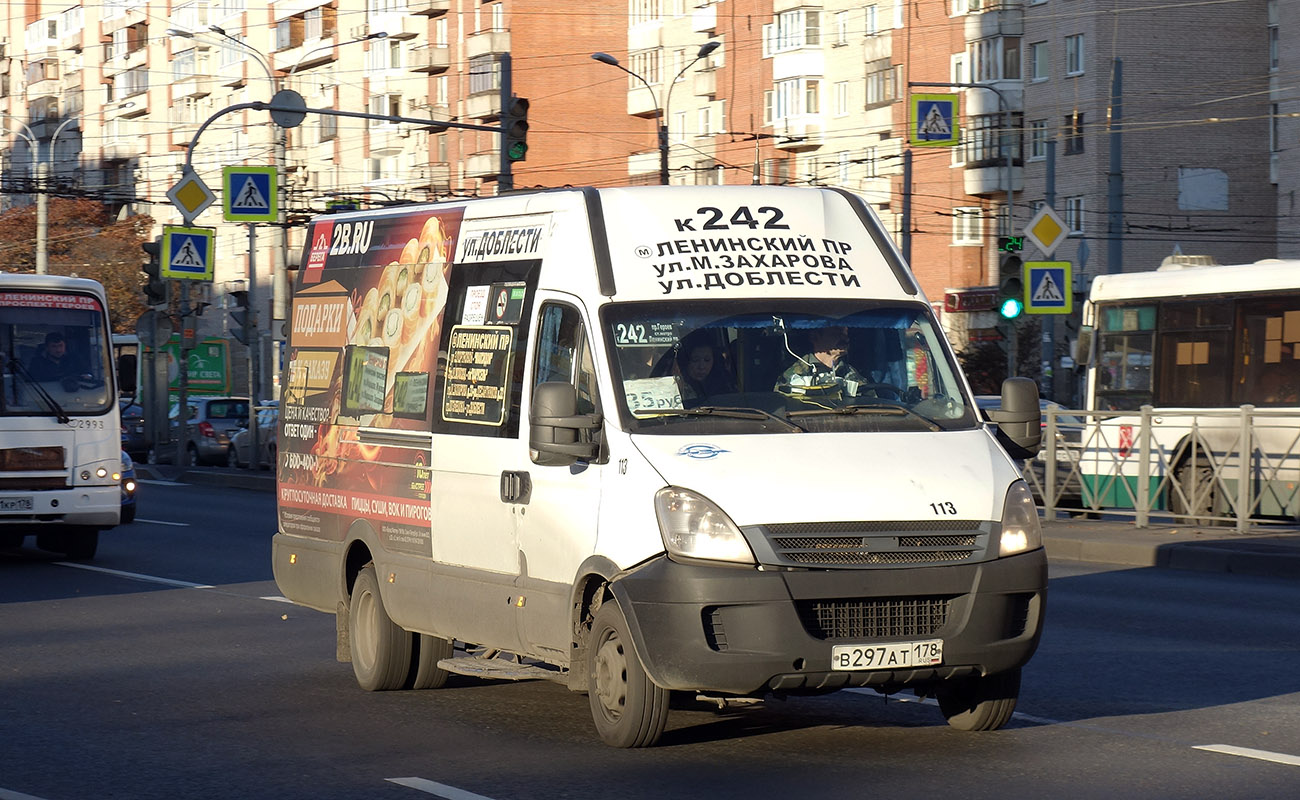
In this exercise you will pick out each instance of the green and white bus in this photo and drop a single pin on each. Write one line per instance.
(1189, 367)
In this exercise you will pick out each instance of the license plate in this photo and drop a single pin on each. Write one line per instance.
(16, 504)
(895, 655)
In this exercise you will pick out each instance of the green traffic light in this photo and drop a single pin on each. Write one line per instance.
(1011, 308)
(516, 150)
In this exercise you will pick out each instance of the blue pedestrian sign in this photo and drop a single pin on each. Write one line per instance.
(1049, 287)
(249, 194)
(934, 120)
(186, 253)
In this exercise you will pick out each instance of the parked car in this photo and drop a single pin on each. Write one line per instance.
(133, 429)
(1069, 447)
(212, 422)
(129, 486)
(268, 423)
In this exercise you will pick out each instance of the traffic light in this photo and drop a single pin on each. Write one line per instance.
(1011, 296)
(154, 288)
(237, 305)
(514, 129)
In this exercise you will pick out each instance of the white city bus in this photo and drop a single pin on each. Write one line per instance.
(1213, 353)
(60, 438)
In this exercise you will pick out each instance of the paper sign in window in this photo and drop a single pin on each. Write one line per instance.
(651, 394)
(1291, 326)
(365, 379)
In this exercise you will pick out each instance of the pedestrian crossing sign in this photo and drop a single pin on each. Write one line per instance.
(249, 194)
(186, 253)
(934, 120)
(1049, 287)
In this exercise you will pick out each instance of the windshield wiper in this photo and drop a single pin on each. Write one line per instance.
(733, 412)
(892, 410)
(16, 367)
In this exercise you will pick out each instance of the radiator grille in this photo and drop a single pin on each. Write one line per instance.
(877, 618)
(872, 543)
(877, 559)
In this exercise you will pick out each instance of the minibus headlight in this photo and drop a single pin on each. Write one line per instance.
(1020, 529)
(693, 527)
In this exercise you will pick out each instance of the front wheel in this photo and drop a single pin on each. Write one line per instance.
(628, 708)
(980, 703)
(381, 650)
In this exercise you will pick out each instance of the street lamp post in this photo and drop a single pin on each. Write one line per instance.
(705, 49)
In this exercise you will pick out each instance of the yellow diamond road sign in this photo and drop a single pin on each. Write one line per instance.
(1046, 230)
(190, 195)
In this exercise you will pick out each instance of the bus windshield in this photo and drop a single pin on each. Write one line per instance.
(54, 354)
(783, 366)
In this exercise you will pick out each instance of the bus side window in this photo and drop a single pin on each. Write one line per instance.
(564, 354)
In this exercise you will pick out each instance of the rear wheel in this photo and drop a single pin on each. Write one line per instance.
(232, 457)
(628, 708)
(980, 703)
(381, 650)
(427, 652)
(80, 545)
(191, 456)
(1196, 501)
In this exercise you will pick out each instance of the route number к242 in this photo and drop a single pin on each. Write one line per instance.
(740, 218)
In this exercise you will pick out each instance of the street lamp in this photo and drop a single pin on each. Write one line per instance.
(42, 201)
(705, 49)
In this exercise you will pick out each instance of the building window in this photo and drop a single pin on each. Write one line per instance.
(769, 106)
(1272, 36)
(289, 33)
(647, 64)
(1074, 54)
(385, 105)
(1073, 132)
(705, 122)
(881, 83)
(484, 74)
(996, 58)
(1074, 215)
(987, 138)
(1037, 139)
(1040, 68)
(869, 160)
(329, 128)
(841, 29)
(968, 226)
(842, 166)
(842, 99)
(795, 98)
(957, 68)
(232, 53)
(646, 11)
(872, 26)
(792, 30)
(776, 171)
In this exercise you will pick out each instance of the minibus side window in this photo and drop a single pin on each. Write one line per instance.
(564, 354)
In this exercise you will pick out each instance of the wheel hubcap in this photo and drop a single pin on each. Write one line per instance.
(611, 676)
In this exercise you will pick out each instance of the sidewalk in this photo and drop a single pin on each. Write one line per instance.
(1272, 552)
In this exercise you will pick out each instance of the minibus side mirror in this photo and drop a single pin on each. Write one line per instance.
(1019, 419)
(555, 425)
(1083, 346)
(126, 366)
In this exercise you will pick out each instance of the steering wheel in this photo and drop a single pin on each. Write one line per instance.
(878, 388)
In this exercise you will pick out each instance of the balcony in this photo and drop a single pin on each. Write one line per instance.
(406, 26)
(641, 103)
(790, 5)
(645, 36)
(120, 150)
(192, 86)
(428, 8)
(435, 177)
(430, 58)
(487, 43)
(987, 180)
(705, 20)
(706, 83)
(323, 152)
(179, 138)
(878, 46)
(483, 165)
(485, 106)
(388, 138)
(798, 135)
(1002, 19)
(233, 75)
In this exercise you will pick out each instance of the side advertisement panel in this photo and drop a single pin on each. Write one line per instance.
(364, 342)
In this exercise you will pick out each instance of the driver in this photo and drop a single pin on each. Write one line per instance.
(825, 365)
(53, 362)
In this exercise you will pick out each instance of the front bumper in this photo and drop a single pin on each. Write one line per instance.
(90, 506)
(743, 631)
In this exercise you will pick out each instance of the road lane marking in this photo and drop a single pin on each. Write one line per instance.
(1262, 755)
(277, 599)
(162, 522)
(160, 483)
(135, 576)
(5, 794)
(437, 789)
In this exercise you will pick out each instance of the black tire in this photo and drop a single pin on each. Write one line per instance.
(426, 652)
(628, 708)
(272, 456)
(232, 457)
(1196, 502)
(192, 457)
(980, 703)
(381, 651)
(128, 514)
(12, 539)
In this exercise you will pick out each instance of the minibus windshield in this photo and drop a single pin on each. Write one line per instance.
(783, 366)
(54, 357)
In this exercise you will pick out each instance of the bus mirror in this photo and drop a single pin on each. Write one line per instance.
(126, 368)
(555, 425)
(1019, 420)
(1083, 346)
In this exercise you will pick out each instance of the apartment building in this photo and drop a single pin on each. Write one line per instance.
(786, 91)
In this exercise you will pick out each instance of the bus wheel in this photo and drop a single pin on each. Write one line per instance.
(980, 703)
(427, 652)
(381, 651)
(1196, 502)
(629, 710)
(12, 539)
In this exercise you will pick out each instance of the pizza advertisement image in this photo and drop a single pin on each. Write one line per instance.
(365, 326)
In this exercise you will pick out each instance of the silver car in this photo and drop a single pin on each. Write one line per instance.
(268, 423)
(213, 420)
